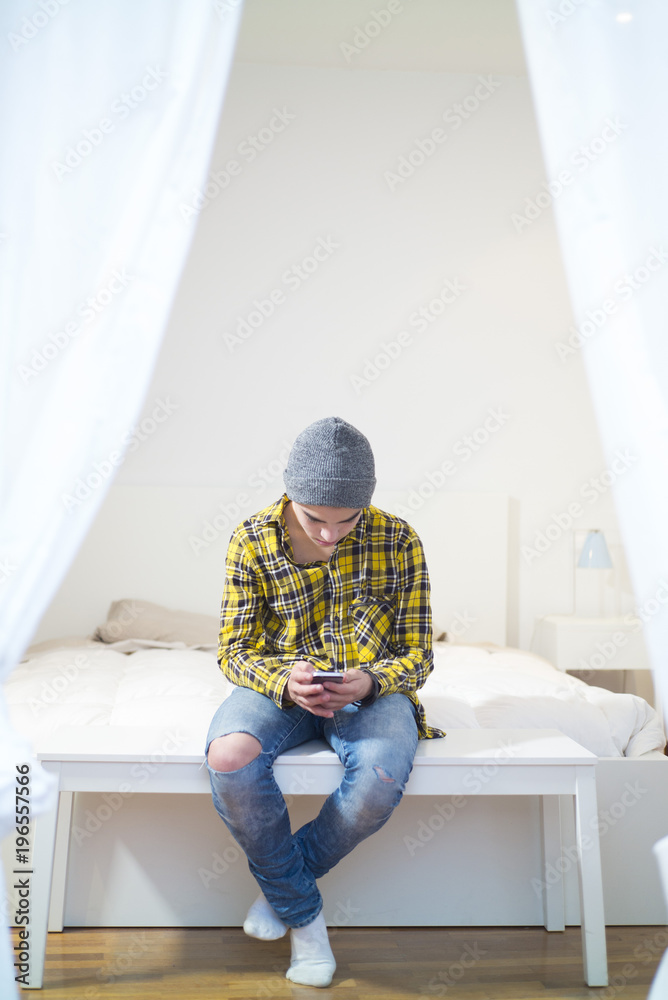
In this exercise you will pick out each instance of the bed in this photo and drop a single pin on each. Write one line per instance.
(192, 874)
(135, 682)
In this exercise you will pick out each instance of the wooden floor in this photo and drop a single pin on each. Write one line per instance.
(393, 964)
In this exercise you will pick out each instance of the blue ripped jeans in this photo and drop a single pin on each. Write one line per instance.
(376, 746)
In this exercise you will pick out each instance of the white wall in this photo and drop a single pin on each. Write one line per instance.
(322, 180)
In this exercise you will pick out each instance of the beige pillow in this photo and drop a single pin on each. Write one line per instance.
(142, 620)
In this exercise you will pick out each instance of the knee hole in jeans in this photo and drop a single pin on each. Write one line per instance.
(233, 751)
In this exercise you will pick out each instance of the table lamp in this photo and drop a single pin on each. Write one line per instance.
(594, 555)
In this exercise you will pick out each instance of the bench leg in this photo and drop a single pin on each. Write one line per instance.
(553, 895)
(44, 843)
(592, 916)
(60, 856)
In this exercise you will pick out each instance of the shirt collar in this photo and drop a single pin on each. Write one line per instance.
(275, 512)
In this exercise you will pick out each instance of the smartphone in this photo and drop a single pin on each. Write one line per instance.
(336, 676)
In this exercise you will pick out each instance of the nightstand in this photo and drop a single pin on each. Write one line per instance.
(587, 645)
(584, 644)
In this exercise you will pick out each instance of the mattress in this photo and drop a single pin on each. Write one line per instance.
(92, 683)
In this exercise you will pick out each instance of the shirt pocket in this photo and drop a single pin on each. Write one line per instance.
(373, 625)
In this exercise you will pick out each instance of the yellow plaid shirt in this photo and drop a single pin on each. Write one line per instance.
(367, 607)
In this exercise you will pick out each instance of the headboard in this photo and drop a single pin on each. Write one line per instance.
(168, 544)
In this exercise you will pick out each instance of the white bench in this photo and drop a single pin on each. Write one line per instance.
(468, 761)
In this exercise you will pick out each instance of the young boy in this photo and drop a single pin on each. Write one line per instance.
(321, 580)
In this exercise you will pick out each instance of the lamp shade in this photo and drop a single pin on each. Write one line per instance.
(595, 554)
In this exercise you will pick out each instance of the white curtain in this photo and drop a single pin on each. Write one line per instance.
(599, 75)
(109, 113)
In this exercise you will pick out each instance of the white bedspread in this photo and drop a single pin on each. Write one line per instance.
(493, 687)
(471, 687)
(94, 685)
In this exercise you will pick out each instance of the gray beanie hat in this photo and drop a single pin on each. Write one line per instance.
(330, 465)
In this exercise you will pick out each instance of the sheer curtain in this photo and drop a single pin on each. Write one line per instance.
(599, 75)
(109, 113)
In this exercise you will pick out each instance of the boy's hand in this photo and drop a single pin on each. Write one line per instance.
(326, 698)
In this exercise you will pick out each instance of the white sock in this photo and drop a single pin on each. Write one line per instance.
(313, 963)
(261, 921)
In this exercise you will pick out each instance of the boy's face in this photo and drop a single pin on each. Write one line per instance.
(326, 525)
